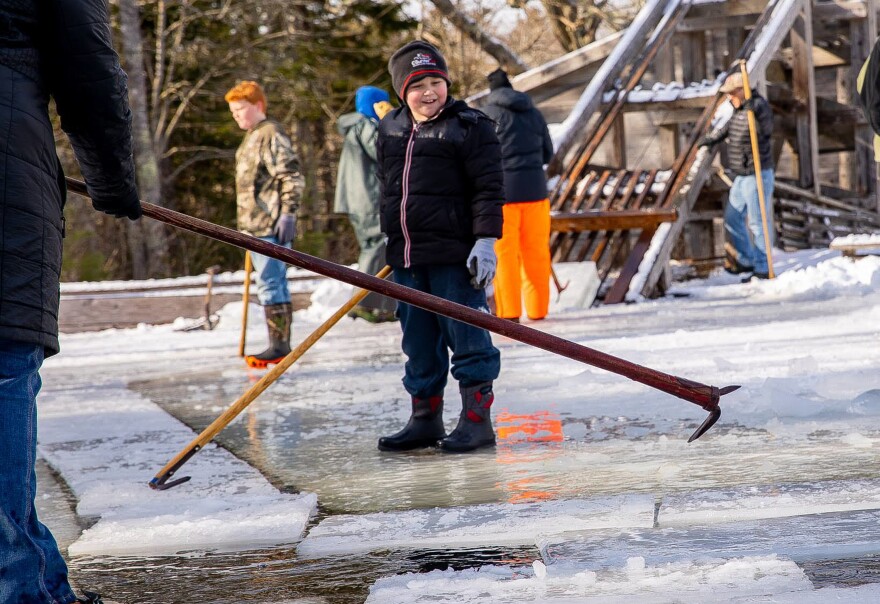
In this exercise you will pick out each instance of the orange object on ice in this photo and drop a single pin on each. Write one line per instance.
(542, 426)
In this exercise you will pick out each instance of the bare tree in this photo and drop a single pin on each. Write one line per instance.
(147, 239)
(576, 22)
(490, 44)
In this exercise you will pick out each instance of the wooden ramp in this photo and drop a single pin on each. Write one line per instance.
(633, 201)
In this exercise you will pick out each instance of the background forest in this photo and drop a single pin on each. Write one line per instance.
(181, 57)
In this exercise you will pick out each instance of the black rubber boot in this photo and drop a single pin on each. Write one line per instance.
(278, 320)
(424, 428)
(474, 429)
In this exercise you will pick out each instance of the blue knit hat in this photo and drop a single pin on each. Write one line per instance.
(366, 97)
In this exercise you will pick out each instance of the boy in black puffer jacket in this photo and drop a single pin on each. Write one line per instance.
(441, 191)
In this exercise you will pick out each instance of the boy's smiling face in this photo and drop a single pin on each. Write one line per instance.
(426, 97)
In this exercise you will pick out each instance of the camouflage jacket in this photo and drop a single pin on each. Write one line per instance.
(268, 181)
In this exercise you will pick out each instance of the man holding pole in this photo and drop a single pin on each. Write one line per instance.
(748, 216)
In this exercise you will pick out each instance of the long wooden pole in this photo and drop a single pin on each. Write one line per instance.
(703, 395)
(159, 481)
(759, 180)
(246, 299)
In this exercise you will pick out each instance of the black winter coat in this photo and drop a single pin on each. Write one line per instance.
(525, 143)
(60, 48)
(441, 184)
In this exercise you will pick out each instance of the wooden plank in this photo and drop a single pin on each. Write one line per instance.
(783, 187)
(862, 182)
(727, 8)
(804, 90)
(714, 22)
(618, 142)
(611, 220)
(846, 162)
(840, 10)
(693, 56)
(568, 241)
(617, 293)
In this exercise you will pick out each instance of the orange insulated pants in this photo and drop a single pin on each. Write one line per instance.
(524, 261)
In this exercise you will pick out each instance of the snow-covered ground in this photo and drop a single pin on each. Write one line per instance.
(592, 470)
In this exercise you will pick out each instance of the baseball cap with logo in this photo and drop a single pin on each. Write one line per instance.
(413, 62)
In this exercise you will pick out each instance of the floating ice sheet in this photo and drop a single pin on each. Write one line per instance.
(481, 525)
(809, 537)
(108, 463)
(741, 580)
(768, 501)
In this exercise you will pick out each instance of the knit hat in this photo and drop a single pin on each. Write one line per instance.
(366, 97)
(733, 82)
(498, 79)
(413, 62)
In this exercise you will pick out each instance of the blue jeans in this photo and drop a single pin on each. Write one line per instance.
(271, 277)
(742, 220)
(427, 336)
(31, 567)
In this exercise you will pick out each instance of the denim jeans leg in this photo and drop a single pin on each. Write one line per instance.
(427, 365)
(756, 224)
(271, 277)
(736, 220)
(31, 566)
(474, 359)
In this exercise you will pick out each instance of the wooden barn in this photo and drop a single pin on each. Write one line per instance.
(632, 190)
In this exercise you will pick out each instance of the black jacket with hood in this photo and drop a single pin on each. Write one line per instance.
(58, 48)
(525, 143)
(441, 184)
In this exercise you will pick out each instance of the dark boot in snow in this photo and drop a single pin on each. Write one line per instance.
(474, 429)
(278, 319)
(424, 428)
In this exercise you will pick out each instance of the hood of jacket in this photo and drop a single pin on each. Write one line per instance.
(511, 99)
(347, 121)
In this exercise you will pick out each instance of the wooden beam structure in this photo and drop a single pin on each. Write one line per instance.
(624, 53)
(617, 220)
(804, 91)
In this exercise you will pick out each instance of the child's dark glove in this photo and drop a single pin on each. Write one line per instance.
(481, 262)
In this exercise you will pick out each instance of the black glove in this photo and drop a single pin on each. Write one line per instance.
(129, 208)
(749, 105)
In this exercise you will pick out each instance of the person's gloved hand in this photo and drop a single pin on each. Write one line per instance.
(285, 229)
(481, 262)
(382, 108)
(129, 208)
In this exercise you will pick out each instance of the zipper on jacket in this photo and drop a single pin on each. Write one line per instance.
(407, 164)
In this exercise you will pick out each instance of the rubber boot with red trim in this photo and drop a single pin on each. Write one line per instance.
(278, 319)
(424, 428)
(474, 429)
